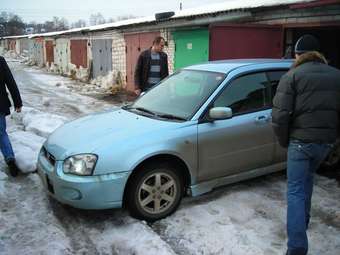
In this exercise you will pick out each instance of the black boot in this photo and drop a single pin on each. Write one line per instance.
(297, 251)
(13, 168)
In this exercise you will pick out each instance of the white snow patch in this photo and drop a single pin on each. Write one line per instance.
(27, 224)
(133, 238)
(27, 142)
(3, 180)
(105, 82)
(26, 146)
(41, 123)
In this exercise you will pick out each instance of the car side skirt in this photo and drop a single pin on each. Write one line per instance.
(204, 187)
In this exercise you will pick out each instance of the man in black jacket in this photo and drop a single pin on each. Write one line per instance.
(7, 80)
(152, 66)
(306, 120)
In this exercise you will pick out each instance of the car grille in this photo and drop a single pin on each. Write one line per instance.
(50, 158)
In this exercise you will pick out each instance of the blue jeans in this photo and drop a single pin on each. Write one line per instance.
(303, 160)
(5, 144)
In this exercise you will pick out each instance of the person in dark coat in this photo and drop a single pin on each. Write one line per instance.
(305, 119)
(7, 81)
(152, 66)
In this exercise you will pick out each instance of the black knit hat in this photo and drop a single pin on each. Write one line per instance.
(307, 43)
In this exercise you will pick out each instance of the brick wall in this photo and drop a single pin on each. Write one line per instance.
(119, 58)
(170, 49)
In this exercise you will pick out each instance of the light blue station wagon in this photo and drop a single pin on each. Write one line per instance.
(204, 126)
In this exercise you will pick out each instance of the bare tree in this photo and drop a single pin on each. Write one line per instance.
(125, 17)
(97, 19)
(79, 23)
(60, 24)
(11, 24)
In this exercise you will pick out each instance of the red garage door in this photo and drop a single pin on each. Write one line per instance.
(135, 44)
(49, 52)
(237, 41)
(79, 53)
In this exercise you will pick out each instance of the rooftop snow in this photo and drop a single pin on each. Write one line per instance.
(202, 10)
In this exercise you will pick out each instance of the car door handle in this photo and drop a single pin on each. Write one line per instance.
(262, 119)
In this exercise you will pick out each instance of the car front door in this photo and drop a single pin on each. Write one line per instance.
(246, 140)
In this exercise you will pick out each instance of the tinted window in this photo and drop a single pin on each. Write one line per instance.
(274, 78)
(245, 94)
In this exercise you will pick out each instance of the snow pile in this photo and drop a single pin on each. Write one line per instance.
(26, 146)
(104, 83)
(80, 73)
(51, 67)
(41, 123)
(10, 54)
(30, 130)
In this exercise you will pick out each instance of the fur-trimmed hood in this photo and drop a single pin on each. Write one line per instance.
(312, 56)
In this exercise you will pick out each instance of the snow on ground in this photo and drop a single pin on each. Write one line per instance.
(28, 131)
(247, 218)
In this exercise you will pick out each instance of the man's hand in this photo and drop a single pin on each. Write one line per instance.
(18, 109)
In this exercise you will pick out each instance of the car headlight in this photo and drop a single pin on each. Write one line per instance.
(82, 164)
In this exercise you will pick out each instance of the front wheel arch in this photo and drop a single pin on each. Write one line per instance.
(172, 162)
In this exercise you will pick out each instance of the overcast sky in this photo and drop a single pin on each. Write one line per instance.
(73, 10)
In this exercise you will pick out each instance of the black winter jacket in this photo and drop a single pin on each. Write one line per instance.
(143, 68)
(7, 80)
(307, 102)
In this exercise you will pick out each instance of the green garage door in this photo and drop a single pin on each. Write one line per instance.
(192, 47)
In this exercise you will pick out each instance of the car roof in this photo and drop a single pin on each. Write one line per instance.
(225, 66)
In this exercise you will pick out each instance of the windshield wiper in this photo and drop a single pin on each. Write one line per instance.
(140, 109)
(170, 116)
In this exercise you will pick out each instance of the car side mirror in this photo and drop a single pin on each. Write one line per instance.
(220, 113)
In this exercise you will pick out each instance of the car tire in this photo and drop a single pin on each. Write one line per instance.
(154, 192)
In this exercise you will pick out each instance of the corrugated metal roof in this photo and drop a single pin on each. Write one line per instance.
(226, 6)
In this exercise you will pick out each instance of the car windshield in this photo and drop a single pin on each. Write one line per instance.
(180, 95)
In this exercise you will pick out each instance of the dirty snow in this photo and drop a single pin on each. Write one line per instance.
(247, 218)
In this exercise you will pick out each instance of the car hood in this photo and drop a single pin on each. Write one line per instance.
(91, 132)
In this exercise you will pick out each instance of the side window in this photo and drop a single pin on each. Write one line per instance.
(245, 94)
(274, 79)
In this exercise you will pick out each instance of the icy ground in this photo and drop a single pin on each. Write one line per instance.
(241, 219)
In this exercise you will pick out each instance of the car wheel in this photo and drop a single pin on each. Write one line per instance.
(154, 192)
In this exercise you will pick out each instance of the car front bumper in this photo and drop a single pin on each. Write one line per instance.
(85, 192)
